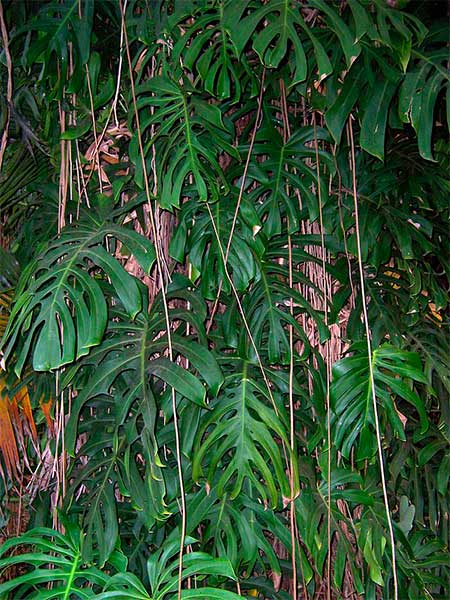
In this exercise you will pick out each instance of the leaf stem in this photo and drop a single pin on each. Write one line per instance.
(371, 373)
(159, 264)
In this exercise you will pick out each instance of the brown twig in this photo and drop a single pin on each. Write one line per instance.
(159, 265)
(371, 367)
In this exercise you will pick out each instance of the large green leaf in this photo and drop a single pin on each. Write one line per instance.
(274, 28)
(235, 530)
(196, 239)
(267, 304)
(133, 350)
(351, 396)
(97, 474)
(60, 310)
(350, 45)
(56, 569)
(420, 89)
(114, 457)
(312, 523)
(20, 171)
(65, 29)
(162, 572)
(206, 46)
(189, 134)
(337, 114)
(283, 174)
(237, 436)
(375, 117)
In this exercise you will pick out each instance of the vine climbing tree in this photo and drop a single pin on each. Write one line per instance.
(223, 295)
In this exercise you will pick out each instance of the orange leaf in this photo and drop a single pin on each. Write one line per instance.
(16, 421)
(8, 444)
(46, 408)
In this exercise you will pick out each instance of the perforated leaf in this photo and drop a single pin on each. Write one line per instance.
(60, 310)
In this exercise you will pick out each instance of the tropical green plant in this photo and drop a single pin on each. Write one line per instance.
(223, 299)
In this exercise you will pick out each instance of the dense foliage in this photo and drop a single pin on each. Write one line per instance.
(223, 299)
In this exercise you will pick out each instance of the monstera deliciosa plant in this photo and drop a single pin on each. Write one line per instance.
(224, 284)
